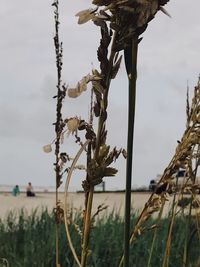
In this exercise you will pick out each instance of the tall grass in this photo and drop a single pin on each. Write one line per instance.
(30, 242)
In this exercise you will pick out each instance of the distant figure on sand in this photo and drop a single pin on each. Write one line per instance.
(15, 191)
(29, 190)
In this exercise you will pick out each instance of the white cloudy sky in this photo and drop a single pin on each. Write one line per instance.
(168, 58)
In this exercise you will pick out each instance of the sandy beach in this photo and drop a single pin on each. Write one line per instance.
(75, 200)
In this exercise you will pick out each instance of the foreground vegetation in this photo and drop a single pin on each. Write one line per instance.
(30, 241)
(164, 243)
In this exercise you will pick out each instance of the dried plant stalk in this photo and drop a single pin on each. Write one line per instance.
(100, 141)
(121, 23)
(67, 222)
(186, 151)
(119, 31)
(131, 66)
(61, 90)
(128, 19)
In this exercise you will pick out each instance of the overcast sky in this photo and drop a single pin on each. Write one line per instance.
(168, 57)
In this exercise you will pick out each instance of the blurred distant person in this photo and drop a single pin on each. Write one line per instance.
(15, 191)
(29, 190)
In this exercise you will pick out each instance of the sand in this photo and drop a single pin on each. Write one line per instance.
(76, 200)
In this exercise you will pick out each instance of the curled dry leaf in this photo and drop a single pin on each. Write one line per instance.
(47, 148)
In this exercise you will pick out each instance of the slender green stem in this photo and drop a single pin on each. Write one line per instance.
(87, 225)
(132, 76)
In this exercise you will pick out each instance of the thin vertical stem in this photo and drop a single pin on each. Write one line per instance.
(58, 124)
(66, 219)
(132, 76)
(87, 225)
(101, 125)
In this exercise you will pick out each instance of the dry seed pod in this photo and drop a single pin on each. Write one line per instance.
(47, 148)
(72, 125)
